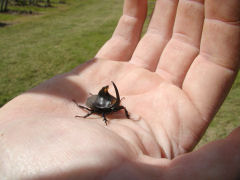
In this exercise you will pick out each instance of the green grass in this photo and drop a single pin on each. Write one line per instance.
(36, 47)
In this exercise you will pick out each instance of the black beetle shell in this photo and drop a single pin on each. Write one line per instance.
(98, 102)
(103, 100)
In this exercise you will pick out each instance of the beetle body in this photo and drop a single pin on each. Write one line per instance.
(103, 103)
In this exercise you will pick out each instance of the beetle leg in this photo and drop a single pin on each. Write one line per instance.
(88, 114)
(104, 119)
(126, 112)
(83, 107)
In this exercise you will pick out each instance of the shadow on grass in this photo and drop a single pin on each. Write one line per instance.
(3, 24)
(21, 12)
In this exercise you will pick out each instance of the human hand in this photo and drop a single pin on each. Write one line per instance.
(174, 79)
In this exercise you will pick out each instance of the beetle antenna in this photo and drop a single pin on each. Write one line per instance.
(116, 90)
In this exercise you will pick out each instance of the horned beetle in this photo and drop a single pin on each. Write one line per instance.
(103, 103)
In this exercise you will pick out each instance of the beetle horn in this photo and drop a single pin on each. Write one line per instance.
(116, 90)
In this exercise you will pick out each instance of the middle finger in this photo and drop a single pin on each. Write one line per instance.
(149, 49)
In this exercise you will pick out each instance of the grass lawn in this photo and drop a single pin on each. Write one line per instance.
(53, 40)
(35, 48)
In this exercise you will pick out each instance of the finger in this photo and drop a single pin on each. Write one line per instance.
(159, 32)
(212, 73)
(184, 45)
(127, 33)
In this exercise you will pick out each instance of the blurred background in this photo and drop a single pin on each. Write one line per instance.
(42, 38)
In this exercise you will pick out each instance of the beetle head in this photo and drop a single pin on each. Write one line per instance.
(104, 90)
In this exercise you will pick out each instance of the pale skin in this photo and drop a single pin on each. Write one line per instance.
(174, 80)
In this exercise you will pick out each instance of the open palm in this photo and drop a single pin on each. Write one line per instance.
(174, 79)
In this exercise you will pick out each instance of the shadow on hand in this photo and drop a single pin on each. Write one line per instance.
(62, 86)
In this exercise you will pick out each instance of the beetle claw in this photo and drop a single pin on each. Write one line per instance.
(106, 121)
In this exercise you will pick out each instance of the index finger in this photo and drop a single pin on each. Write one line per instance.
(123, 42)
